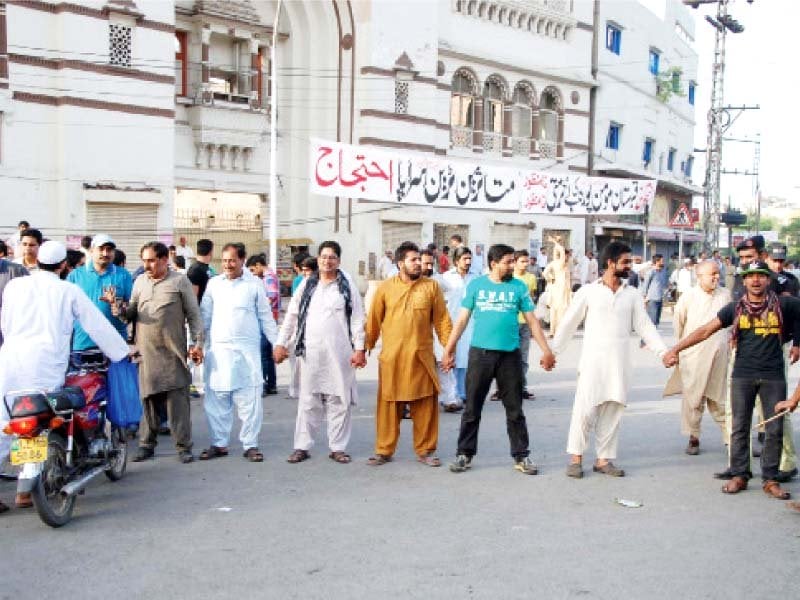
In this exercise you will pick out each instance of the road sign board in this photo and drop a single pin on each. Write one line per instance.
(682, 217)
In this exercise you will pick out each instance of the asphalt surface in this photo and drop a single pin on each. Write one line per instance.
(230, 529)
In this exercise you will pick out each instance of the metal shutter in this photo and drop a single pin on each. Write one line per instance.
(395, 233)
(131, 225)
(516, 236)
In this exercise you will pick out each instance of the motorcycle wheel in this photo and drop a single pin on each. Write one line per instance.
(119, 462)
(54, 508)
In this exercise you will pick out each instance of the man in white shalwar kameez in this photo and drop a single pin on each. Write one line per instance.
(236, 312)
(701, 375)
(448, 398)
(325, 319)
(454, 285)
(610, 308)
(39, 313)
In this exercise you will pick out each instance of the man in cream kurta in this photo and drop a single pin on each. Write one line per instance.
(236, 313)
(405, 310)
(700, 376)
(609, 307)
(455, 284)
(330, 346)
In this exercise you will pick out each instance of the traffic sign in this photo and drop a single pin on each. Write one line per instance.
(682, 217)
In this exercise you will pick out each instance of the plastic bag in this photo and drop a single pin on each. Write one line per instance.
(124, 406)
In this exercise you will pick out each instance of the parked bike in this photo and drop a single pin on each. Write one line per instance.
(63, 439)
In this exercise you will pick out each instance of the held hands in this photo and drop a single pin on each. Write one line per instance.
(670, 358)
(196, 354)
(548, 361)
(448, 361)
(280, 354)
(358, 360)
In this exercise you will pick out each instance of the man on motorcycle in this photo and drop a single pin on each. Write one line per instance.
(37, 320)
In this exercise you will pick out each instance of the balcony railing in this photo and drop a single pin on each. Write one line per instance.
(461, 137)
(547, 149)
(521, 146)
(492, 142)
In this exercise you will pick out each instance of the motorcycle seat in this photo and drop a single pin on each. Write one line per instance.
(67, 398)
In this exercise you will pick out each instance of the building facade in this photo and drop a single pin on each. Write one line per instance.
(150, 119)
(645, 114)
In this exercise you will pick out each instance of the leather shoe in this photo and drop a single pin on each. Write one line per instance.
(726, 474)
(693, 449)
(784, 476)
(735, 485)
(143, 454)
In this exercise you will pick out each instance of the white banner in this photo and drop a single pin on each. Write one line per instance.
(400, 178)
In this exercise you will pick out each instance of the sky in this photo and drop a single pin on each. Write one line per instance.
(760, 69)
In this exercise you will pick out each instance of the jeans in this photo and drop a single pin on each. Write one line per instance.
(524, 349)
(654, 311)
(743, 399)
(268, 364)
(461, 383)
(504, 367)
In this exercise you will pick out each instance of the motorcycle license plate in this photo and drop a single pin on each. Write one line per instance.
(29, 450)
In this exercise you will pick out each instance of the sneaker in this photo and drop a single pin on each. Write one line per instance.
(193, 391)
(185, 456)
(143, 454)
(461, 463)
(693, 449)
(526, 466)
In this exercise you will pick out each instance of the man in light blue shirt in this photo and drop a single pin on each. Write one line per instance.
(102, 281)
(235, 313)
(654, 288)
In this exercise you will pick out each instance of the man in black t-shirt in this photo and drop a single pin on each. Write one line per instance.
(783, 282)
(761, 320)
(198, 273)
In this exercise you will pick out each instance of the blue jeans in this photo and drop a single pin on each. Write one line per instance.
(654, 311)
(268, 364)
(461, 383)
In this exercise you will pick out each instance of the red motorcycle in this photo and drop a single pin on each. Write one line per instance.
(63, 440)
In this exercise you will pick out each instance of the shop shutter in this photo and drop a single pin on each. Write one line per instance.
(394, 233)
(131, 225)
(516, 236)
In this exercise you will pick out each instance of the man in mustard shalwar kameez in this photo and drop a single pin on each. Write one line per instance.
(404, 311)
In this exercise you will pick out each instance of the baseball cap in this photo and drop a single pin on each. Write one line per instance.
(757, 242)
(757, 266)
(778, 252)
(101, 239)
(52, 253)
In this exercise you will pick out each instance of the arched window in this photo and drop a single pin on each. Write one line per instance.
(493, 115)
(521, 120)
(549, 108)
(462, 109)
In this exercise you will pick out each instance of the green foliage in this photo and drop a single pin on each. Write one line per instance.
(791, 234)
(669, 84)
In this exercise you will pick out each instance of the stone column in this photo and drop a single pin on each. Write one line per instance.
(508, 115)
(560, 138)
(477, 126)
(205, 65)
(255, 71)
(535, 133)
(3, 44)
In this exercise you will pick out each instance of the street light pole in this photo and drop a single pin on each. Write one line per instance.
(273, 144)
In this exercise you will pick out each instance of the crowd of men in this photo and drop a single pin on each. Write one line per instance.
(447, 332)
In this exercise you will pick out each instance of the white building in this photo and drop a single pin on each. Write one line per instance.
(644, 125)
(150, 119)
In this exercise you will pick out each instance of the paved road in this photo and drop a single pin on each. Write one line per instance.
(230, 529)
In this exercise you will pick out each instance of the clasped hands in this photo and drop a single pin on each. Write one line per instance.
(358, 360)
(448, 362)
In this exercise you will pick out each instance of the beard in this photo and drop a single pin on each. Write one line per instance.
(622, 273)
(427, 272)
(507, 277)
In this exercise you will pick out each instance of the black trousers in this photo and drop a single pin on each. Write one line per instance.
(743, 399)
(506, 369)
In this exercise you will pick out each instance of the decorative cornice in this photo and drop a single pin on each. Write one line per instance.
(93, 104)
(85, 11)
(80, 65)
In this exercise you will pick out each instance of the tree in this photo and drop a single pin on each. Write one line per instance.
(791, 235)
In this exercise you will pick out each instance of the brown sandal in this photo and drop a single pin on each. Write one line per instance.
(253, 455)
(298, 456)
(429, 460)
(735, 485)
(213, 452)
(773, 489)
(378, 460)
(340, 457)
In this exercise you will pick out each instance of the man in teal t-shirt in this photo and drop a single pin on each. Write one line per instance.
(494, 301)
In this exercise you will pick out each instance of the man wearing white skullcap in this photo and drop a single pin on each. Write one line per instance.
(38, 316)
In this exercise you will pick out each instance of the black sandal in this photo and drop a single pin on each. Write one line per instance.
(253, 455)
(213, 452)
